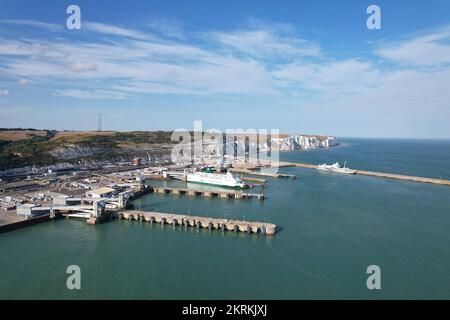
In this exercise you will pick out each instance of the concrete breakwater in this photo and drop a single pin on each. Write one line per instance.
(261, 173)
(206, 193)
(24, 223)
(378, 174)
(199, 222)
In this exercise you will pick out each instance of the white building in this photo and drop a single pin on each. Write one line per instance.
(104, 192)
(27, 210)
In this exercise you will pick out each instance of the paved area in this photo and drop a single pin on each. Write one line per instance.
(7, 217)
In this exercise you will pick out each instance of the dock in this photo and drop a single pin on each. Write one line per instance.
(199, 222)
(260, 173)
(254, 180)
(380, 174)
(207, 193)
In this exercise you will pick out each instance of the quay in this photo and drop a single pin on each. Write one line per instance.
(260, 173)
(199, 222)
(24, 223)
(206, 193)
(379, 174)
(254, 180)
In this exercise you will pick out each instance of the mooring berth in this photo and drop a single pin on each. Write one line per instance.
(199, 222)
(207, 193)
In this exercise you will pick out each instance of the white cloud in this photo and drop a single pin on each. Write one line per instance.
(23, 82)
(432, 49)
(91, 94)
(4, 93)
(82, 66)
(23, 48)
(161, 66)
(115, 30)
(261, 43)
(35, 24)
(169, 28)
(343, 77)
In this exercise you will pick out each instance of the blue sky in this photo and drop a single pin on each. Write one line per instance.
(298, 66)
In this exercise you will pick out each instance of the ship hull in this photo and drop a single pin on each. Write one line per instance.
(337, 171)
(220, 183)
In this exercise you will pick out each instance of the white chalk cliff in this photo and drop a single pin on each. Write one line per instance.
(292, 142)
(299, 142)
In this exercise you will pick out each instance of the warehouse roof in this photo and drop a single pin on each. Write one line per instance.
(103, 190)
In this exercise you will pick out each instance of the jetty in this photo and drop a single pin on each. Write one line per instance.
(261, 173)
(379, 174)
(199, 222)
(254, 180)
(206, 193)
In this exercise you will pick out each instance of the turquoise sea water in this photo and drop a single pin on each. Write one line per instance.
(332, 228)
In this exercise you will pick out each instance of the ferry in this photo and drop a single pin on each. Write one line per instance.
(218, 179)
(335, 167)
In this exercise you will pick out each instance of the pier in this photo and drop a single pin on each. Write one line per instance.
(260, 173)
(199, 222)
(207, 193)
(254, 180)
(379, 174)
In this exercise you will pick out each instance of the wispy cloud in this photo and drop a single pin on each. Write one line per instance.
(34, 23)
(349, 76)
(4, 93)
(82, 66)
(431, 49)
(167, 27)
(91, 94)
(263, 43)
(116, 30)
(23, 82)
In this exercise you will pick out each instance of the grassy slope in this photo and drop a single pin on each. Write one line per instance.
(28, 149)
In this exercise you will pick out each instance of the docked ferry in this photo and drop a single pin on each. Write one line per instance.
(217, 179)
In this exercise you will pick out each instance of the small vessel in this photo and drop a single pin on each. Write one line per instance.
(335, 167)
(217, 179)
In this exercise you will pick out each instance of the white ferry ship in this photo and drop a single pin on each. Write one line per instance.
(218, 179)
(335, 167)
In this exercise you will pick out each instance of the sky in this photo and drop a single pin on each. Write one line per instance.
(309, 67)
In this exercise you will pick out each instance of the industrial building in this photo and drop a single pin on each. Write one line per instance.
(27, 210)
(104, 192)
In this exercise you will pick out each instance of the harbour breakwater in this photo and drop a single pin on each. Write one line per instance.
(377, 174)
(199, 222)
(206, 193)
(24, 223)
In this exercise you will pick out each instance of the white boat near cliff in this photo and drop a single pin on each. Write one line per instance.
(335, 167)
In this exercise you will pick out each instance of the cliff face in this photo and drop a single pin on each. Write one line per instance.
(293, 142)
(72, 151)
(299, 142)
